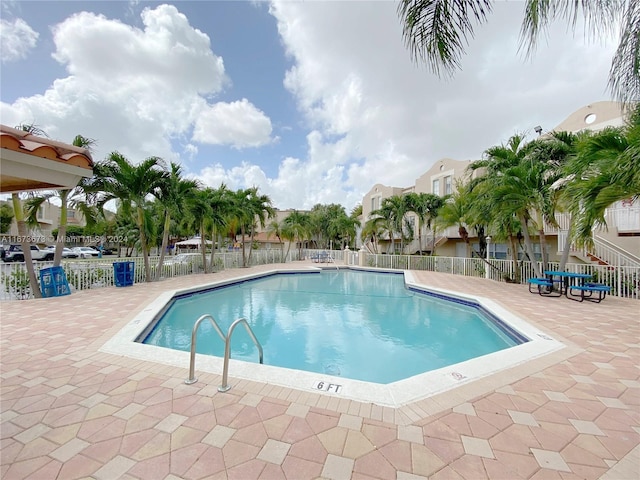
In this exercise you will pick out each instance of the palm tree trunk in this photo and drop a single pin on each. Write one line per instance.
(543, 242)
(213, 246)
(203, 247)
(281, 248)
(529, 246)
(286, 255)
(514, 258)
(251, 245)
(143, 243)
(26, 246)
(165, 242)
(433, 248)
(567, 246)
(62, 228)
(244, 259)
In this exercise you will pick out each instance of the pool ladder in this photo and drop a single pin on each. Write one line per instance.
(227, 348)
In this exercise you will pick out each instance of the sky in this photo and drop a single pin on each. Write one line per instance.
(310, 101)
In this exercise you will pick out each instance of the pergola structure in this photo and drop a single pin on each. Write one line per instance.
(29, 162)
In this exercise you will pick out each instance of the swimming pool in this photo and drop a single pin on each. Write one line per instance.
(360, 325)
(123, 343)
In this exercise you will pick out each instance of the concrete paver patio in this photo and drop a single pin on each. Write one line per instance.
(70, 411)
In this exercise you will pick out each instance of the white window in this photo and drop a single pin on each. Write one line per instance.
(436, 187)
(71, 214)
(447, 185)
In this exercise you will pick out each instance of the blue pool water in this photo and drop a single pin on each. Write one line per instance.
(360, 325)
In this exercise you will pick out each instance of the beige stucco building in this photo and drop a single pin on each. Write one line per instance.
(622, 236)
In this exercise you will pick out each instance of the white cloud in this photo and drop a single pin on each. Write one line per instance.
(239, 124)
(135, 89)
(371, 116)
(17, 39)
(352, 76)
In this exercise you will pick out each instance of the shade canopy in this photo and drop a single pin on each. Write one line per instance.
(29, 162)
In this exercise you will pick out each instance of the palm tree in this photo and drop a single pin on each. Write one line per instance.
(115, 178)
(560, 147)
(242, 211)
(605, 169)
(276, 228)
(23, 234)
(260, 206)
(469, 206)
(221, 205)
(66, 196)
(373, 229)
(172, 194)
(393, 209)
(299, 225)
(199, 206)
(436, 32)
(426, 207)
(343, 228)
(508, 183)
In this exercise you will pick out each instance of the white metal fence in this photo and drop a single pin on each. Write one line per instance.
(623, 280)
(98, 273)
(84, 274)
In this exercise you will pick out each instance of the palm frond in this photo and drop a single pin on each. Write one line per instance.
(624, 76)
(437, 31)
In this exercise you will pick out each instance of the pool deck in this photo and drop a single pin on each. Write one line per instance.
(70, 411)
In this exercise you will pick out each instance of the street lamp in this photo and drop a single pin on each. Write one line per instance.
(538, 129)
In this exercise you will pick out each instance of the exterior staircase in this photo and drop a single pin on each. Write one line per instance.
(607, 253)
(596, 260)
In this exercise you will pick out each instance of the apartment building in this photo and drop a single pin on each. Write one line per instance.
(620, 238)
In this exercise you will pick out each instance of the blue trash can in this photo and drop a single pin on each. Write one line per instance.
(53, 282)
(123, 273)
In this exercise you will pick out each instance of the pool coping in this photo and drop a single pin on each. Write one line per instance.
(397, 394)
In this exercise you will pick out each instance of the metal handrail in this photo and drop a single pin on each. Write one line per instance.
(227, 351)
(192, 360)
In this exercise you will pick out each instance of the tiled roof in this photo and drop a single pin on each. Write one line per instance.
(25, 142)
(30, 162)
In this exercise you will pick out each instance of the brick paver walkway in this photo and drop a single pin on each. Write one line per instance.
(69, 411)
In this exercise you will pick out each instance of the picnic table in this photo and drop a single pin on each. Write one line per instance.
(570, 282)
(567, 279)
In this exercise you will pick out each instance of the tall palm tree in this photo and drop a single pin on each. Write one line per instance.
(299, 224)
(116, 178)
(276, 228)
(221, 205)
(343, 228)
(23, 234)
(199, 206)
(417, 203)
(426, 207)
(260, 206)
(561, 147)
(372, 230)
(243, 212)
(393, 209)
(436, 32)
(172, 194)
(66, 197)
(508, 183)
